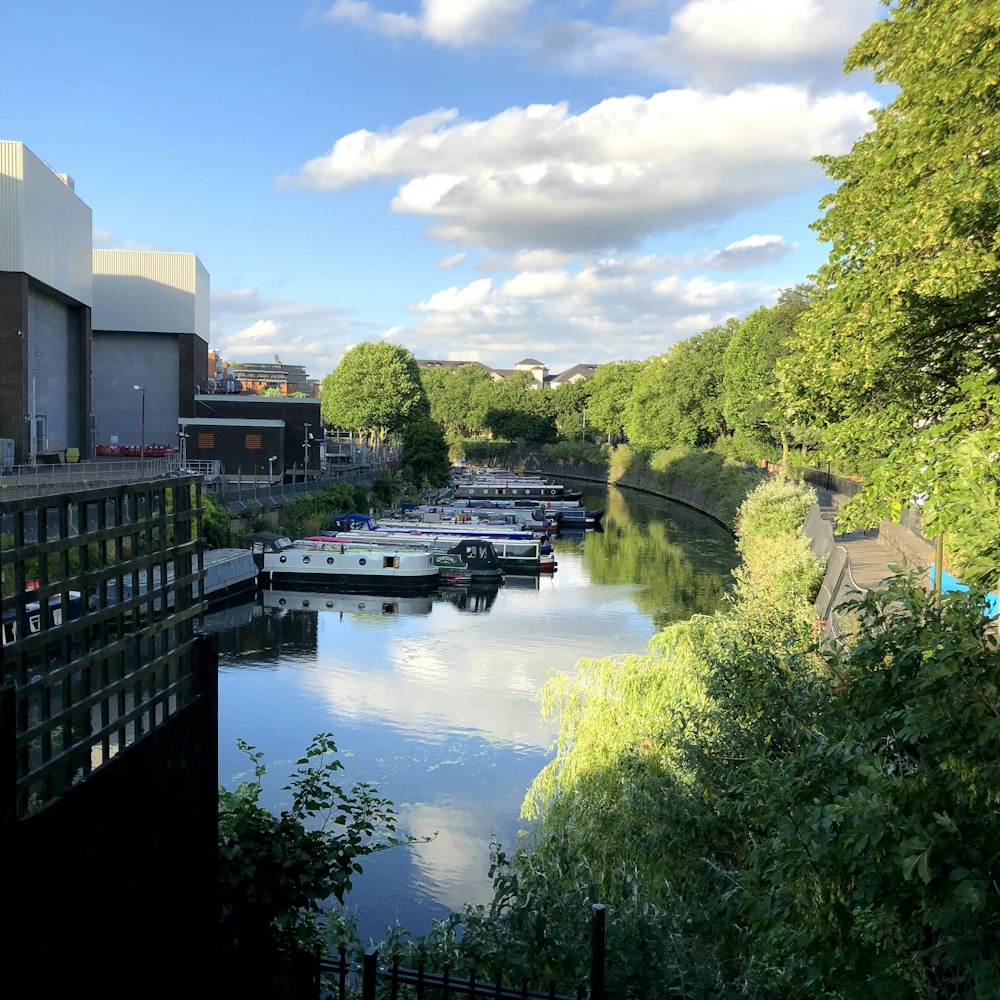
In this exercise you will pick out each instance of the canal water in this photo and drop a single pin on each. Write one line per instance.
(433, 700)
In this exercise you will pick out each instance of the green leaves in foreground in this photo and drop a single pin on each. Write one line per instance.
(277, 871)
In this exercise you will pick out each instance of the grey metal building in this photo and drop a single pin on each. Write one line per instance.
(150, 329)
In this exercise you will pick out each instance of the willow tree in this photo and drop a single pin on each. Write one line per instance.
(905, 335)
(375, 390)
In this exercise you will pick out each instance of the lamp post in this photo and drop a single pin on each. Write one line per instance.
(270, 470)
(182, 437)
(142, 423)
(305, 448)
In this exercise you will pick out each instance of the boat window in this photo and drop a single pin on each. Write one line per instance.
(283, 559)
(282, 601)
(329, 561)
(390, 562)
(305, 604)
(305, 559)
(362, 561)
(522, 551)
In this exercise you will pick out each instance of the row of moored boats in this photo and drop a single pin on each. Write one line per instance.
(482, 527)
(478, 530)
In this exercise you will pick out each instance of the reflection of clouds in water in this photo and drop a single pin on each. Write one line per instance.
(474, 674)
(454, 865)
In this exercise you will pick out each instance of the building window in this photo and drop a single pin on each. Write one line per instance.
(206, 440)
(253, 442)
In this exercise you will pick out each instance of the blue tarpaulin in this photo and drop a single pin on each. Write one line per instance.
(950, 583)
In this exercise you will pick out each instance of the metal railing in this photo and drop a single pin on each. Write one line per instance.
(839, 586)
(342, 978)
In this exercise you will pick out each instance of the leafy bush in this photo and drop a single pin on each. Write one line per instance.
(276, 872)
(576, 453)
(216, 522)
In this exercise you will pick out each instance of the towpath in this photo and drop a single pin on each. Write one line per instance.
(876, 554)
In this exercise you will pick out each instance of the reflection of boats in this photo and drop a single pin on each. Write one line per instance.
(579, 517)
(230, 615)
(523, 581)
(350, 604)
(342, 565)
(475, 598)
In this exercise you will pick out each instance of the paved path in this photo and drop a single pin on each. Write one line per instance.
(876, 554)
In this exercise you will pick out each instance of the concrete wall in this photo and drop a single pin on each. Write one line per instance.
(121, 360)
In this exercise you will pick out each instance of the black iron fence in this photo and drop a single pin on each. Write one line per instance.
(343, 978)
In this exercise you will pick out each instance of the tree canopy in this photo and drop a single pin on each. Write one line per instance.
(376, 388)
(910, 293)
(677, 397)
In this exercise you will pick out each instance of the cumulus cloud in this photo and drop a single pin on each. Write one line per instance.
(726, 40)
(593, 314)
(248, 327)
(444, 22)
(607, 177)
(750, 252)
(731, 41)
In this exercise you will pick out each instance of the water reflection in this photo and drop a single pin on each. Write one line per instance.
(473, 598)
(434, 700)
(365, 605)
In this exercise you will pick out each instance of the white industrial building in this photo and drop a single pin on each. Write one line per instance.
(46, 294)
(80, 328)
(150, 329)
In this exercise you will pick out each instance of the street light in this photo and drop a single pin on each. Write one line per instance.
(305, 448)
(142, 422)
(182, 438)
(270, 470)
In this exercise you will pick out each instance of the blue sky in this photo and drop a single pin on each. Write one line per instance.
(470, 179)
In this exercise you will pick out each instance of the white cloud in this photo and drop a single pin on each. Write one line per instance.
(246, 327)
(453, 23)
(733, 41)
(104, 239)
(594, 314)
(750, 252)
(627, 167)
(446, 263)
(725, 40)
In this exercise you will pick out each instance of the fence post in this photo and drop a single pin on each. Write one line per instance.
(369, 972)
(597, 952)
(938, 568)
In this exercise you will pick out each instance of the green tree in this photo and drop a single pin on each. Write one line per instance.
(570, 404)
(425, 452)
(911, 290)
(748, 365)
(610, 388)
(452, 394)
(677, 397)
(376, 389)
(514, 409)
